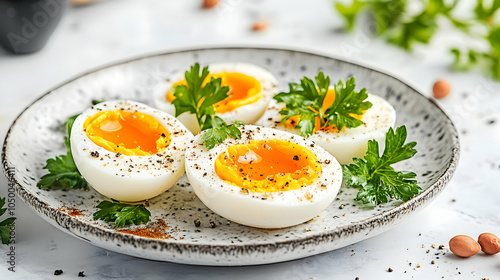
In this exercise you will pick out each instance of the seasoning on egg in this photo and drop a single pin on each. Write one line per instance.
(265, 166)
(266, 179)
(124, 139)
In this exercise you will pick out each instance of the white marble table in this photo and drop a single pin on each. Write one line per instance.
(95, 35)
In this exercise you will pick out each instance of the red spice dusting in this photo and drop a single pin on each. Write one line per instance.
(154, 230)
(73, 212)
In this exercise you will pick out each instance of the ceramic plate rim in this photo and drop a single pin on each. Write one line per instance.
(427, 194)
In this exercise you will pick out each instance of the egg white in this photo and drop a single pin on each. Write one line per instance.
(129, 178)
(349, 142)
(248, 114)
(263, 210)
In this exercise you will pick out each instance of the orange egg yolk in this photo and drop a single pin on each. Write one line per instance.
(268, 166)
(128, 133)
(327, 102)
(243, 90)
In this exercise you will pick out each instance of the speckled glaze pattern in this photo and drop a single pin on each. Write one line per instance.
(35, 136)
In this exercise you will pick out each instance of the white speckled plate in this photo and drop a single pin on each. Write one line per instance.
(34, 137)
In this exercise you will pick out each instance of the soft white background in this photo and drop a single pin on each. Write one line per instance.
(113, 30)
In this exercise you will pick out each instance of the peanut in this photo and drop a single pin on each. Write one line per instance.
(260, 25)
(490, 244)
(464, 246)
(441, 89)
(208, 4)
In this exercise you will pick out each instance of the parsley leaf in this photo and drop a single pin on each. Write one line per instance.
(379, 182)
(68, 125)
(306, 101)
(122, 214)
(199, 99)
(62, 173)
(219, 132)
(350, 12)
(6, 225)
(400, 23)
(62, 169)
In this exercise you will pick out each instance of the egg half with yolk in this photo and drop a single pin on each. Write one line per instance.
(129, 151)
(266, 179)
(250, 89)
(348, 142)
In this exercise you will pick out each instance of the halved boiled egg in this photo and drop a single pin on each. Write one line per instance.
(348, 142)
(128, 151)
(251, 89)
(266, 179)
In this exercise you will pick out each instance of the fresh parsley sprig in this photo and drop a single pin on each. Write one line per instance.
(199, 99)
(62, 169)
(122, 214)
(396, 23)
(306, 101)
(5, 225)
(378, 181)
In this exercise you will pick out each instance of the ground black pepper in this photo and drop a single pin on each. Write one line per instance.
(80, 274)
(197, 223)
(390, 269)
(58, 272)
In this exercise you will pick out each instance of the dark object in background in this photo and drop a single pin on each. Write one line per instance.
(26, 25)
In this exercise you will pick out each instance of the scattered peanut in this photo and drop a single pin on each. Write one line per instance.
(441, 89)
(490, 244)
(464, 246)
(260, 25)
(208, 4)
(82, 2)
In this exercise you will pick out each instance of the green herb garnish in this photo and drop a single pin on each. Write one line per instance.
(6, 225)
(306, 100)
(62, 169)
(199, 100)
(395, 22)
(379, 182)
(122, 214)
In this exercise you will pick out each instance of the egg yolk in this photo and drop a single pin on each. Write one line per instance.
(243, 90)
(128, 133)
(327, 102)
(268, 166)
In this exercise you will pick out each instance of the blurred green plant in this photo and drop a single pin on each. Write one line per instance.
(394, 22)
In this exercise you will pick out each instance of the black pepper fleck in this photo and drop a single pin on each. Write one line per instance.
(390, 269)
(197, 223)
(295, 157)
(212, 224)
(58, 272)
(94, 154)
(80, 274)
